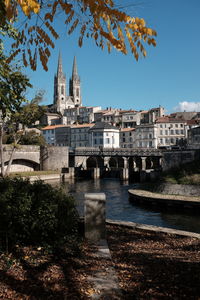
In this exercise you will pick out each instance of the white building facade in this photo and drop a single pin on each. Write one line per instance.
(104, 135)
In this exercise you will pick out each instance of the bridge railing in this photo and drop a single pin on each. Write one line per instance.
(87, 151)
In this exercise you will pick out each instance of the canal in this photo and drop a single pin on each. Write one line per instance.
(118, 206)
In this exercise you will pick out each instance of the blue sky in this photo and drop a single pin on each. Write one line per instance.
(169, 76)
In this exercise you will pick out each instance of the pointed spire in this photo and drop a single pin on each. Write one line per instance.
(59, 71)
(74, 71)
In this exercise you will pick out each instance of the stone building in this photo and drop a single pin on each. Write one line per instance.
(171, 131)
(104, 135)
(146, 136)
(194, 138)
(80, 135)
(127, 138)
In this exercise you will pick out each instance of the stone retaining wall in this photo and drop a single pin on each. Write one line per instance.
(178, 189)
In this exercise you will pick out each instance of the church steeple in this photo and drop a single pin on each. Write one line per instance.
(74, 70)
(60, 87)
(75, 85)
(59, 70)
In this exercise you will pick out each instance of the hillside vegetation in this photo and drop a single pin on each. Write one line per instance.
(186, 174)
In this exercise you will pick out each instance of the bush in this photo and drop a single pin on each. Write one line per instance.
(35, 214)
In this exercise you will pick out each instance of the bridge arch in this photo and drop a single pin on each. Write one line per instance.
(94, 162)
(23, 165)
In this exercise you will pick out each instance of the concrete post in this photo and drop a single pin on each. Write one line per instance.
(95, 216)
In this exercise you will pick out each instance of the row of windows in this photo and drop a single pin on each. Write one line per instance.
(48, 131)
(79, 137)
(128, 140)
(172, 132)
(168, 141)
(171, 125)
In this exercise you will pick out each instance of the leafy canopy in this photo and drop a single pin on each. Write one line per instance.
(98, 19)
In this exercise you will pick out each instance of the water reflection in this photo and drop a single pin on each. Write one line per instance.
(118, 206)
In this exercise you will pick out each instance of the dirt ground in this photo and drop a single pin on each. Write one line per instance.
(148, 266)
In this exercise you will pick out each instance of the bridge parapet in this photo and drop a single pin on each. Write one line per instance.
(88, 151)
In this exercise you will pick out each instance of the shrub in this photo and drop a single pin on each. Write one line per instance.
(36, 214)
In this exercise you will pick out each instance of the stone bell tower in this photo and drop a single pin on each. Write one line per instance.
(75, 86)
(60, 88)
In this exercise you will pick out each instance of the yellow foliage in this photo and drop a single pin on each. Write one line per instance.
(98, 19)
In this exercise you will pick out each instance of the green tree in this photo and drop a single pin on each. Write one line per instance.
(13, 84)
(25, 116)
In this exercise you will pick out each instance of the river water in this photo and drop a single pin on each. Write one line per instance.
(118, 206)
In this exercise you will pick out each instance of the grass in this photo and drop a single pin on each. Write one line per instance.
(33, 173)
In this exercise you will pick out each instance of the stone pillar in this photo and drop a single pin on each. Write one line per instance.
(124, 174)
(143, 163)
(71, 172)
(160, 162)
(125, 162)
(96, 173)
(95, 216)
(106, 162)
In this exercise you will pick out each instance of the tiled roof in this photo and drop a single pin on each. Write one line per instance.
(169, 120)
(82, 125)
(49, 127)
(127, 129)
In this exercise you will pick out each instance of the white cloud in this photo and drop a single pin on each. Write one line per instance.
(187, 106)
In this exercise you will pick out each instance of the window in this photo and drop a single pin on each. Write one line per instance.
(182, 132)
(161, 132)
(172, 132)
(161, 126)
(161, 141)
(107, 141)
(176, 125)
(166, 132)
(62, 89)
(177, 131)
(52, 131)
(124, 140)
(77, 92)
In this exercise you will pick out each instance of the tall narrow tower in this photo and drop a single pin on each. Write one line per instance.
(60, 87)
(75, 85)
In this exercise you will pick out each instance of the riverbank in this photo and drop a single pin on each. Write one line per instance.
(148, 197)
(148, 265)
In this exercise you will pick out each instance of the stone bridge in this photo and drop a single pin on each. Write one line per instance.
(126, 161)
(25, 158)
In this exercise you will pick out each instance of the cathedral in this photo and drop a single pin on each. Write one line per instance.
(62, 101)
